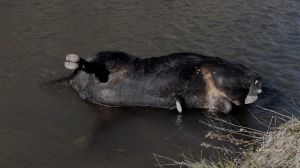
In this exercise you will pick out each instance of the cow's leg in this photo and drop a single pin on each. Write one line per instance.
(219, 104)
(74, 62)
(180, 104)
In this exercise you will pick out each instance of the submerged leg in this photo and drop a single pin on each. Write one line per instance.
(223, 105)
(74, 62)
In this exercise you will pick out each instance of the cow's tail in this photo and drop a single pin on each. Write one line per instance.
(72, 62)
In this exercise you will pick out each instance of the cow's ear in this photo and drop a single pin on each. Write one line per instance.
(103, 73)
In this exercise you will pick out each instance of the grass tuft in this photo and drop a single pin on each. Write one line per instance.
(278, 147)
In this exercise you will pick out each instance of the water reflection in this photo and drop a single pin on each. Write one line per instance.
(179, 121)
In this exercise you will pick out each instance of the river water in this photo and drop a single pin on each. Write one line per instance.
(52, 127)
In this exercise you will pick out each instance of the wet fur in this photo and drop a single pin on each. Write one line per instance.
(201, 81)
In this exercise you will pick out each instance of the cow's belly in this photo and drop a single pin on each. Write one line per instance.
(133, 93)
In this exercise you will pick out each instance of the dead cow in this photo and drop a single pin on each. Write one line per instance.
(179, 80)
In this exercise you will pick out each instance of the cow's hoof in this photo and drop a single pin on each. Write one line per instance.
(178, 106)
(72, 61)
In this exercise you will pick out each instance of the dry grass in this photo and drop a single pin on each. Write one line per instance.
(278, 147)
(281, 148)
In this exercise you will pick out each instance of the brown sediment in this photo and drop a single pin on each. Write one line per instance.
(117, 76)
(212, 90)
(213, 94)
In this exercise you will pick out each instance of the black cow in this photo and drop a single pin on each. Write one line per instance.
(179, 80)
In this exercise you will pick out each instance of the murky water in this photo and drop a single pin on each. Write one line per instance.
(52, 127)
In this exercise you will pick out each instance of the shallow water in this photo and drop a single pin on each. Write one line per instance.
(52, 127)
